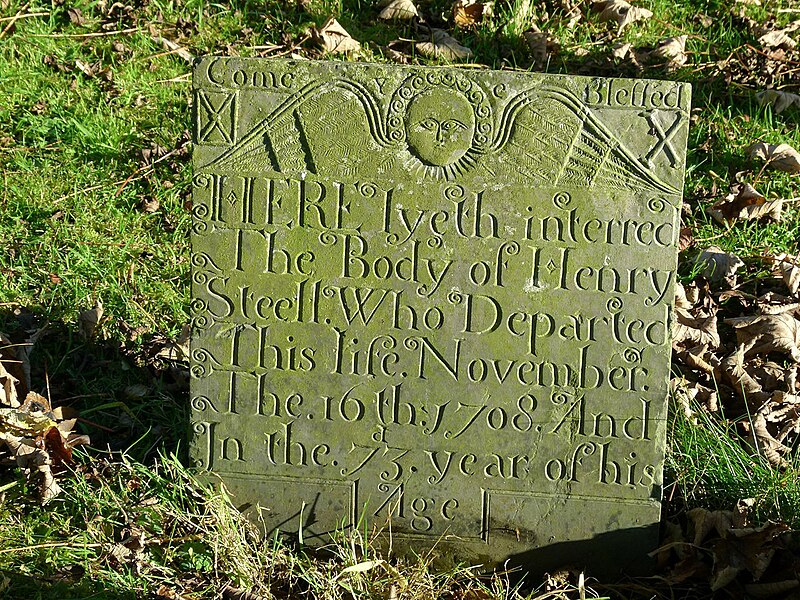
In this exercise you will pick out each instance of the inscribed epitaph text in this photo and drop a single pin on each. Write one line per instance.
(436, 301)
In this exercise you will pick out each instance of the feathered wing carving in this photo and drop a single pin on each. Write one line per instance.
(325, 127)
(548, 136)
(544, 136)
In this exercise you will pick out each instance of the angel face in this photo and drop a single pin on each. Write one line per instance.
(439, 126)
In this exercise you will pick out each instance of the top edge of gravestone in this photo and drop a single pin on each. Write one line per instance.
(311, 111)
(203, 77)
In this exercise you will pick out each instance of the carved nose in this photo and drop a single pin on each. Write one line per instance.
(439, 133)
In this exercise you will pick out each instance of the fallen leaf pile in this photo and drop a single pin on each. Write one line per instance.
(723, 548)
(35, 437)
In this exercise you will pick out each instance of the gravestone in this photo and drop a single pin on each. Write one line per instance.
(437, 302)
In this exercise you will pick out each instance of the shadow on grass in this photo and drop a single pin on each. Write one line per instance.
(126, 399)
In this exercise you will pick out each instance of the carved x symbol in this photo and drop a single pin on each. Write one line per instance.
(664, 140)
(215, 116)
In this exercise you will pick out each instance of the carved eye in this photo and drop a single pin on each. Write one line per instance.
(452, 125)
(429, 124)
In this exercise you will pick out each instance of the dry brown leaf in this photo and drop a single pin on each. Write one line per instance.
(334, 38)
(397, 10)
(744, 202)
(778, 99)
(740, 380)
(688, 330)
(442, 45)
(542, 45)
(789, 268)
(8, 388)
(621, 12)
(778, 38)
(76, 16)
(89, 320)
(685, 239)
(768, 333)
(705, 521)
(741, 514)
(672, 51)
(468, 13)
(174, 48)
(719, 266)
(780, 156)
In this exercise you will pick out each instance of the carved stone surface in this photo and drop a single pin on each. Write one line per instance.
(437, 301)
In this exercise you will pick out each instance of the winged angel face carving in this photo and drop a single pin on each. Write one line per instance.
(441, 125)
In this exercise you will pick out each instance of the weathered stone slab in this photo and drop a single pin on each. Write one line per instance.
(437, 301)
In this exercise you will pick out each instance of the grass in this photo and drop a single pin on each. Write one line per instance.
(88, 105)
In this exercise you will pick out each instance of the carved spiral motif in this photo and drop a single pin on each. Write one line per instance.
(412, 343)
(385, 488)
(454, 192)
(388, 342)
(200, 210)
(510, 248)
(499, 90)
(435, 242)
(614, 305)
(199, 357)
(200, 227)
(562, 200)
(560, 398)
(201, 180)
(326, 238)
(406, 93)
(198, 306)
(201, 260)
(368, 190)
(588, 448)
(432, 78)
(200, 277)
(656, 204)
(632, 355)
(200, 318)
(200, 403)
(417, 82)
(329, 291)
(455, 297)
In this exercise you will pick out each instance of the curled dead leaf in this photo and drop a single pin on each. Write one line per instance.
(789, 268)
(744, 202)
(334, 38)
(542, 45)
(401, 10)
(468, 13)
(778, 99)
(719, 266)
(768, 333)
(621, 12)
(740, 380)
(443, 45)
(780, 156)
(672, 51)
(777, 38)
(89, 320)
